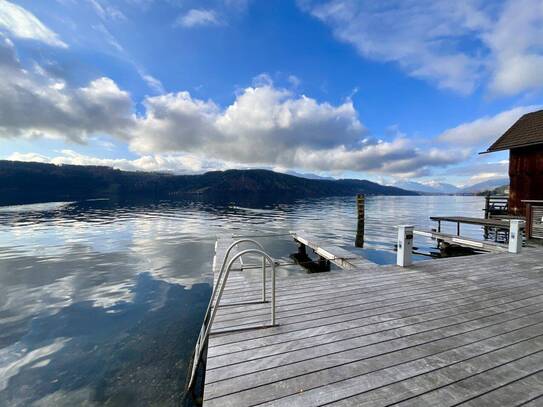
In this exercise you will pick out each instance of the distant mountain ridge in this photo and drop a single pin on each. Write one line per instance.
(428, 188)
(30, 182)
(486, 185)
(444, 188)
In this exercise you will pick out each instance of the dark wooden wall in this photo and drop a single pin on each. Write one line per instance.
(526, 177)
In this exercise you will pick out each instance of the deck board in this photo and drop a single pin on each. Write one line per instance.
(518, 392)
(472, 221)
(442, 331)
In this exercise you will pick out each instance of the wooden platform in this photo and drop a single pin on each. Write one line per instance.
(444, 332)
(472, 221)
(483, 245)
(340, 257)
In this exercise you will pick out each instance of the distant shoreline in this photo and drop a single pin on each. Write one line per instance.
(31, 182)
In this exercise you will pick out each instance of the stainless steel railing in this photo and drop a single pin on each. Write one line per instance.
(218, 290)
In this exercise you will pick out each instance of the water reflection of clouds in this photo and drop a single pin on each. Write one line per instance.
(126, 285)
(122, 353)
(15, 357)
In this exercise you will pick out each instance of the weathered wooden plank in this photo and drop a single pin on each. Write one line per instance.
(372, 309)
(456, 382)
(374, 359)
(353, 326)
(350, 380)
(435, 267)
(342, 330)
(528, 359)
(308, 294)
(535, 402)
(320, 355)
(340, 257)
(464, 241)
(329, 301)
(517, 393)
(321, 332)
(471, 221)
(311, 323)
(329, 286)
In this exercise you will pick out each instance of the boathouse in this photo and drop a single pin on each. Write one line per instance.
(524, 140)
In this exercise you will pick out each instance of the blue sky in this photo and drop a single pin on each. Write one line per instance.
(384, 90)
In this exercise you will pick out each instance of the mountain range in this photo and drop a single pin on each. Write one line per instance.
(444, 188)
(30, 182)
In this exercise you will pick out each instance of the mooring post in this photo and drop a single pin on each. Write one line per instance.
(360, 208)
(515, 235)
(529, 221)
(487, 213)
(405, 245)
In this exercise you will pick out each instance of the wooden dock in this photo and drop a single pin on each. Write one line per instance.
(340, 257)
(483, 245)
(498, 223)
(464, 330)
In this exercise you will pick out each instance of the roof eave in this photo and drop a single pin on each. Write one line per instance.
(494, 150)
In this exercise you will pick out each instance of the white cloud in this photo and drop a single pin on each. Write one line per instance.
(270, 126)
(176, 163)
(516, 41)
(106, 11)
(22, 24)
(32, 157)
(485, 130)
(397, 158)
(453, 44)
(263, 126)
(153, 83)
(110, 39)
(175, 122)
(33, 104)
(294, 80)
(198, 17)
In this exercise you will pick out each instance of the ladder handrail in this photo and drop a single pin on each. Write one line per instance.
(221, 283)
(237, 242)
(265, 256)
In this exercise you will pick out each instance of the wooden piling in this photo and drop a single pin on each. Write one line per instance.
(487, 214)
(360, 208)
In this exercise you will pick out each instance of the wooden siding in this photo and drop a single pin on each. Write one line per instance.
(526, 177)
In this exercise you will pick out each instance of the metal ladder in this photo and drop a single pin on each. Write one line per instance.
(217, 292)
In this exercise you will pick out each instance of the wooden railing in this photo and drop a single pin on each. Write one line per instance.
(534, 219)
(496, 205)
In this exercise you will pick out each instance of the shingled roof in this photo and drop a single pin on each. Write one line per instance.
(527, 131)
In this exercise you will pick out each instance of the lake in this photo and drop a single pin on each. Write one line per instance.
(101, 303)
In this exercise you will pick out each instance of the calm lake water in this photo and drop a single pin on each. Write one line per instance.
(101, 303)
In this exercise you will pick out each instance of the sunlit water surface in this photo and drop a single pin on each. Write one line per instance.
(100, 303)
